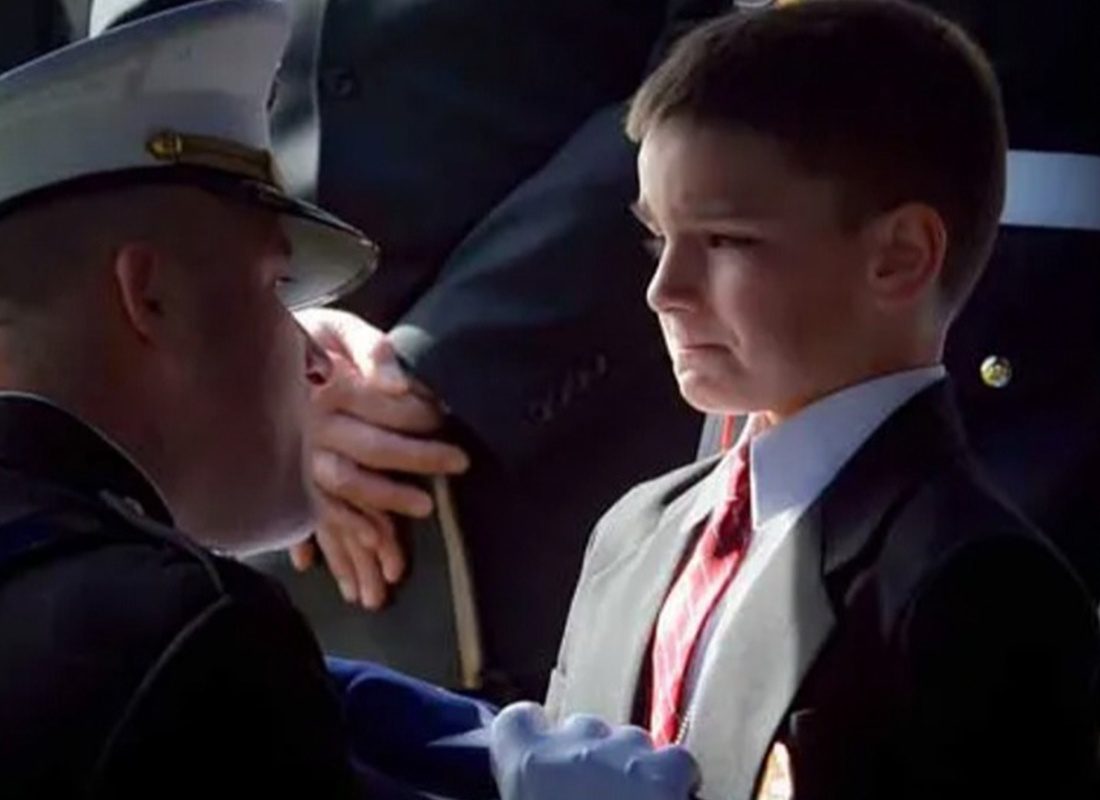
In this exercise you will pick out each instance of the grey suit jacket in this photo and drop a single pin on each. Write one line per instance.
(913, 636)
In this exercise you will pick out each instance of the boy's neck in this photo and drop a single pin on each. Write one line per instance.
(855, 378)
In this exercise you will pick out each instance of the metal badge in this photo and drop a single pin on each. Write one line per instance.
(996, 372)
(209, 151)
(778, 780)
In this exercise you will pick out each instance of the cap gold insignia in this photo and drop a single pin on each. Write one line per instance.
(209, 151)
(778, 781)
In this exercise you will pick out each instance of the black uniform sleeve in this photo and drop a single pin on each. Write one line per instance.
(238, 705)
(999, 658)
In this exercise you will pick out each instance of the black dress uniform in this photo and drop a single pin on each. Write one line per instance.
(133, 663)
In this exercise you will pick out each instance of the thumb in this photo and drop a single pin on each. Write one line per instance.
(302, 555)
(380, 364)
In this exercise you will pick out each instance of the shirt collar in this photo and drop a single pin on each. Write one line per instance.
(792, 463)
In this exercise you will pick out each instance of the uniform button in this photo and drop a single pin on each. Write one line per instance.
(540, 412)
(339, 82)
(134, 506)
(996, 372)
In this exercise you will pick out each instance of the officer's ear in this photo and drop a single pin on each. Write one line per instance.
(139, 272)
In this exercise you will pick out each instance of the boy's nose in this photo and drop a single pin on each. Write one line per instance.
(674, 283)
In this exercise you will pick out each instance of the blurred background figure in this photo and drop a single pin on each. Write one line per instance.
(33, 27)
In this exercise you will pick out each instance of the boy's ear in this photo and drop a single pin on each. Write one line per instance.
(908, 246)
(139, 278)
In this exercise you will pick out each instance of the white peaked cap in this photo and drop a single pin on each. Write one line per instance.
(180, 96)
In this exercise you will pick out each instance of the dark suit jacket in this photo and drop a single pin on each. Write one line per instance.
(935, 646)
(31, 29)
(133, 663)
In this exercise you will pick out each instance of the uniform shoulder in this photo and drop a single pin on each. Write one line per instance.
(115, 578)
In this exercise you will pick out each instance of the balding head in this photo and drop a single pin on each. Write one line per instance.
(152, 312)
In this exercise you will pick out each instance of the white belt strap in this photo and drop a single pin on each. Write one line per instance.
(1052, 190)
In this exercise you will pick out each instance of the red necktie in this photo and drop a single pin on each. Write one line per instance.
(692, 599)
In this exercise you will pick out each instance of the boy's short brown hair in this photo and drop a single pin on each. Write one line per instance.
(893, 102)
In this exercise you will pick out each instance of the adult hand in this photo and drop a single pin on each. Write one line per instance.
(371, 426)
(583, 759)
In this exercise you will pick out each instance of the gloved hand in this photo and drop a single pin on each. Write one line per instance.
(583, 759)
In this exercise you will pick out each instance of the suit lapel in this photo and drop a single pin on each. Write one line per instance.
(630, 591)
(776, 617)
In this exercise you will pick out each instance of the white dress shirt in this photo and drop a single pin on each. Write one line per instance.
(792, 463)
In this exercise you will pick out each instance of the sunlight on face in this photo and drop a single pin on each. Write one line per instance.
(758, 287)
(247, 396)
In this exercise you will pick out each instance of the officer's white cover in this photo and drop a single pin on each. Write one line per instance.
(204, 69)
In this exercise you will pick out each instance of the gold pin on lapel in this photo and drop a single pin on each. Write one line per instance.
(778, 780)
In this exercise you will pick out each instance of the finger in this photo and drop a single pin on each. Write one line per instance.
(379, 362)
(370, 583)
(374, 448)
(518, 725)
(630, 738)
(585, 726)
(381, 536)
(672, 767)
(302, 555)
(370, 540)
(336, 556)
(341, 332)
(358, 398)
(366, 490)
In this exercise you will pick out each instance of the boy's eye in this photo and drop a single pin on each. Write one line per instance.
(725, 241)
(654, 245)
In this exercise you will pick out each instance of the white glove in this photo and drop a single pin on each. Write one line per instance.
(583, 759)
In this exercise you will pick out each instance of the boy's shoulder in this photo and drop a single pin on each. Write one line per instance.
(639, 513)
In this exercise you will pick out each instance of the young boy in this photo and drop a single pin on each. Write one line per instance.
(842, 607)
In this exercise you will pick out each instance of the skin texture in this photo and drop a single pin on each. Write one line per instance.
(161, 326)
(767, 301)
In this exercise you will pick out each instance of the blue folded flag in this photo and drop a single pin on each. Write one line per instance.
(414, 733)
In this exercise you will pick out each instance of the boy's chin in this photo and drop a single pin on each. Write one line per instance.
(710, 395)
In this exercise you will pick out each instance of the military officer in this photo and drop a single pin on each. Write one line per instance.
(153, 376)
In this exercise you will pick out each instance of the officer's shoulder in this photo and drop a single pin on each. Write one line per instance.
(150, 581)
